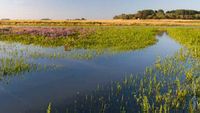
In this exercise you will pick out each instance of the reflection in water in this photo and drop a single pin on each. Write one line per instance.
(31, 92)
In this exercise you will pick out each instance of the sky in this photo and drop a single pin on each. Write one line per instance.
(89, 9)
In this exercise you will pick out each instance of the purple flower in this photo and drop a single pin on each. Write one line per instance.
(50, 32)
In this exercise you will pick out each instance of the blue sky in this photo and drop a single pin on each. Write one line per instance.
(90, 9)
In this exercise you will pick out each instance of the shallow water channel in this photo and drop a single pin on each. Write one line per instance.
(31, 92)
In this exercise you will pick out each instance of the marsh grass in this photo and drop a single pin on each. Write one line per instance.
(16, 60)
(189, 37)
(117, 39)
(10, 67)
(168, 86)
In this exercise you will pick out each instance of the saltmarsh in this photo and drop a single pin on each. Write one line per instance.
(170, 85)
(96, 38)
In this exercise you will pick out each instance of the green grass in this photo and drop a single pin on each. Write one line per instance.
(35, 40)
(189, 37)
(117, 39)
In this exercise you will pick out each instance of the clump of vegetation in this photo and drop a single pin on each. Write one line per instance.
(5, 19)
(160, 14)
(46, 32)
(49, 108)
(18, 60)
(45, 19)
(14, 66)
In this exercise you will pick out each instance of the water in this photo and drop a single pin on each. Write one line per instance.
(31, 92)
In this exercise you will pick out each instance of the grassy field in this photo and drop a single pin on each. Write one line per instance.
(163, 22)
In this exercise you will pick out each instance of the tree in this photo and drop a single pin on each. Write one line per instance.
(144, 14)
(161, 14)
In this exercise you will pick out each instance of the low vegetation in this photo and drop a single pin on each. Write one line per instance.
(111, 38)
(189, 37)
(49, 37)
(15, 66)
(117, 39)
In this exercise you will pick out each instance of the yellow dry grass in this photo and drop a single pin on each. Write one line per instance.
(164, 22)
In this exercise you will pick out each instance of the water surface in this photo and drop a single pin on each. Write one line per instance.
(31, 92)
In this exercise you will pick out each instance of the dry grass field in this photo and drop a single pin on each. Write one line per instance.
(164, 22)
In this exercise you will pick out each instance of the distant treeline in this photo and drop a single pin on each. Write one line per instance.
(161, 14)
(66, 19)
(50, 19)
